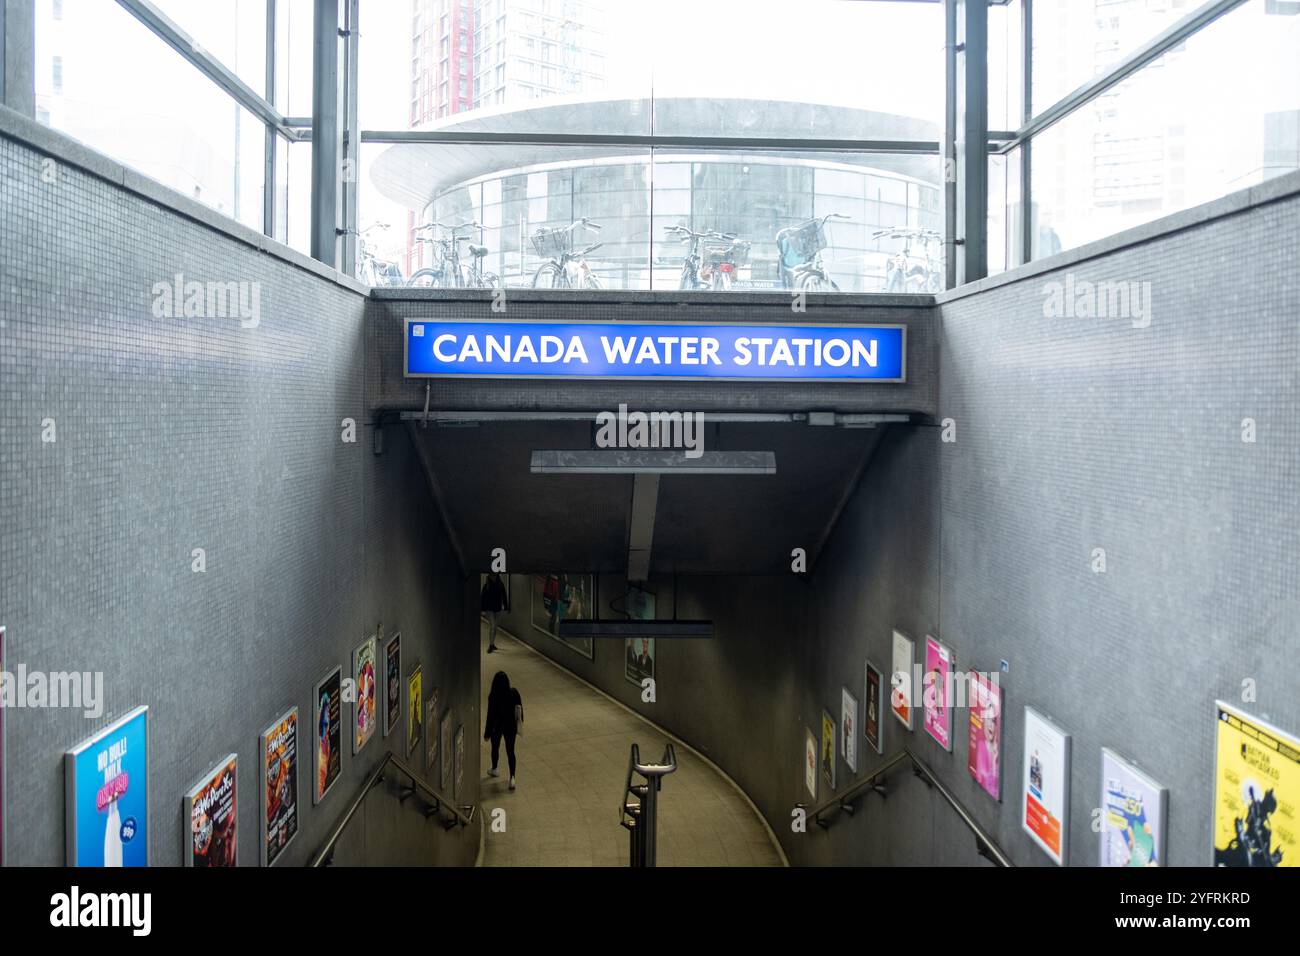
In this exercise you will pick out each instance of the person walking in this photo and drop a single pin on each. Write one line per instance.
(505, 718)
(493, 599)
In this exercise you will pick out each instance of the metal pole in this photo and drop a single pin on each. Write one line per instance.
(268, 145)
(973, 133)
(351, 141)
(1027, 104)
(325, 139)
(649, 806)
(949, 157)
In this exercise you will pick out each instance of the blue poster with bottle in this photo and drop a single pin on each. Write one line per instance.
(108, 795)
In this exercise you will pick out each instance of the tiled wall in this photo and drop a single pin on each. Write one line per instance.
(172, 434)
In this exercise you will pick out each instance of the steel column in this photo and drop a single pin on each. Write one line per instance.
(326, 140)
(970, 63)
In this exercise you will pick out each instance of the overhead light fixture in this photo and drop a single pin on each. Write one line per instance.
(651, 462)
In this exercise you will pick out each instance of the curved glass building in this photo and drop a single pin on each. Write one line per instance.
(633, 194)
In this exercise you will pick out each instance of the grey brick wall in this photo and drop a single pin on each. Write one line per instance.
(175, 434)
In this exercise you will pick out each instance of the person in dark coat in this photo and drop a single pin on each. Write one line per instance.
(492, 601)
(505, 712)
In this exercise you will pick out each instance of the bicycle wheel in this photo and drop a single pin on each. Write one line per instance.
(549, 276)
(592, 282)
(490, 280)
(817, 282)
(425, 279)
(688, 280)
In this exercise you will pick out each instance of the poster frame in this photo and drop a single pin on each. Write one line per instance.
(1283, 737)
(391, 720)
(3, 791)
(849, 735)
(590, 652)
(946, 711)
(877, 745)
(373, 642)
(187, 801)
(318, 799)
(70, 782)
(828, 721)
(1067, 746)
(431, 730)
(898, 639)
(414, 722)
(445, 751)
(1162, 805)
(975, 679)
(262, 802)
(810, 773)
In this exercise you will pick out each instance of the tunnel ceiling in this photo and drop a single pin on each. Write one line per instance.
(704, 524)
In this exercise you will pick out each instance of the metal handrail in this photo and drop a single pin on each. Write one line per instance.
(435, 803)
(842, 802)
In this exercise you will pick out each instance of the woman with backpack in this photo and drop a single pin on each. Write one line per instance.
(505, 718)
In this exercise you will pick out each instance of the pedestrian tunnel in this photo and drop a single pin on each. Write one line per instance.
(633, 440)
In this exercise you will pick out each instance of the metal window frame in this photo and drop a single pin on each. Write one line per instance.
(336, 211)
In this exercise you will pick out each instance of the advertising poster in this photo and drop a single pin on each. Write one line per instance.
(900, 680)
(849, 729)
(107, 778)
(828, 749)
(279, 750)
(1045, 786)
(557, 598)
(984, 753)
(366, 708)
(1256, 792)
(392, 683)
(460, 763)
(640, 659)
(414, 710)
(936, 689)
(329, 733)
(871, 726)
(210, 818)
(444, 772)
(1134, 808)
(431, 732)
(810, 762)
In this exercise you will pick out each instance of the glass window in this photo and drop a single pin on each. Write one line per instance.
(1182, 131)
(123, 91)
(1075, 41)
(234, 33)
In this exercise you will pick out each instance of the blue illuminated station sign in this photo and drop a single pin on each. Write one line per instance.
(663, 350)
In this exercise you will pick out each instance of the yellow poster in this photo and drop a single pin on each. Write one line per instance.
(414, 710)
(1256, 792)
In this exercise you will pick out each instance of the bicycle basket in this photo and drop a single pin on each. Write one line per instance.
(552, 243)
(716, 252)
(808, 240)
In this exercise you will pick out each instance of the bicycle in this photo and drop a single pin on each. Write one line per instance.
(372, 270)
(450, 273)
(564, 268)
(712, 258)
(799, 251)
(905, 272)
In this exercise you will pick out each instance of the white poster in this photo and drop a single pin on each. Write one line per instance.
(1045, 785)
(1133, 814)
(849, 729)
(810, 763)
(900, 681)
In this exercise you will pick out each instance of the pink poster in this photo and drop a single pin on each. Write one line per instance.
(936, 690)
(984, 755)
